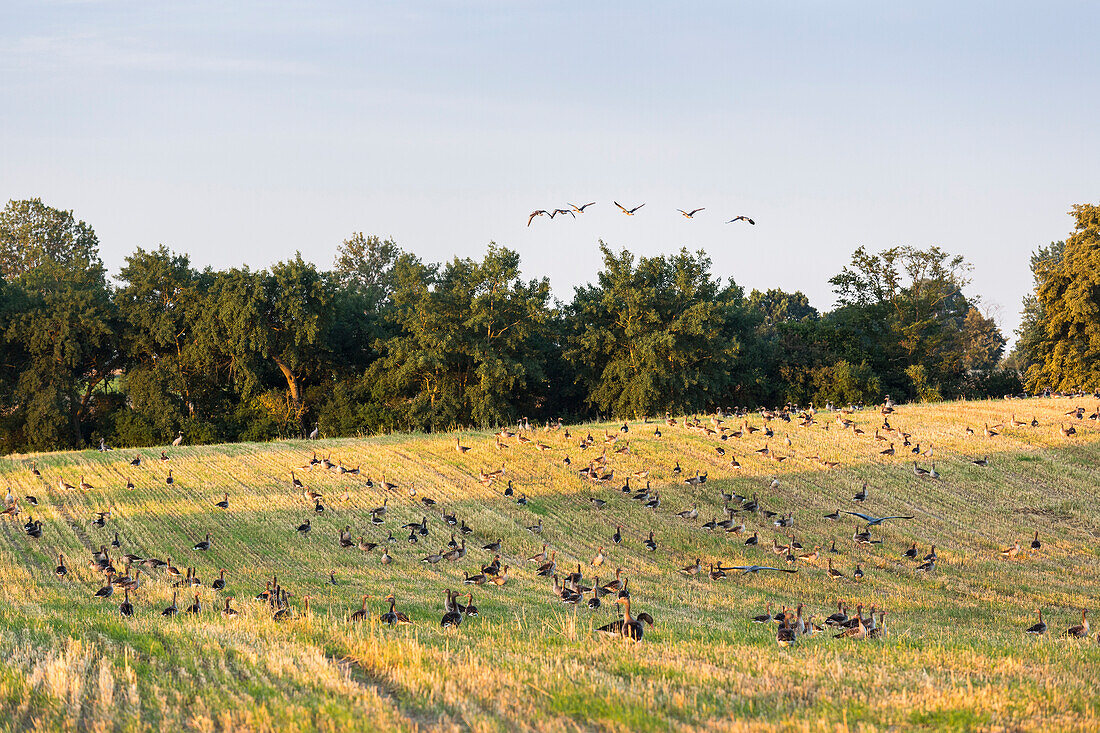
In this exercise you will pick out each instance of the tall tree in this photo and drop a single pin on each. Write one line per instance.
(62, 326)
(657, 334)
(1065, 342)
(467, 347)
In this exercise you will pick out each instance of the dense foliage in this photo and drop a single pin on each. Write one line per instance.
(385, 341)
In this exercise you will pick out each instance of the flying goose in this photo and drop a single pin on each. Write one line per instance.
(741, 218)
(873, 521)
(692, 213)
(628, 212)
(538, 212)
(580, 209)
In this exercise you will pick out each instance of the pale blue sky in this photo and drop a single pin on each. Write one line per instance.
(240, 132)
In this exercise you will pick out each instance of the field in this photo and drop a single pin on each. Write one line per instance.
(955, 655)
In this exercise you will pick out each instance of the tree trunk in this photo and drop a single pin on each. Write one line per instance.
(291, 383)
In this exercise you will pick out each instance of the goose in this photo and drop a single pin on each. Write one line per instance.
(840, 617)
(231, 613)
(580, 209)
(918, 470)
(746, 569)
(493, 546)
(983, 462)
(717, 572)
(433, 558)
(108, 590)
(536, 528)
(459, 447)
(1066, 432)
(361, 612)
(168, 479)
(832, 572)
(765, 617)
(537, 212)
(304, 528)
(451, 620)
(61, 571)
(84, 485)
(875, 521)
(911, 553)
(755, 539)
(1040, 628)
(617, 538)
(34, 468)
(1035, 543)
(386, 559)
(172, 609)
(224, 503)
(594, 601)
(628, 627)
(927, 567)
(547, 568)
(501, 578)
(457, 553)
(35, 530)
(689, 513)
(786, 635)
(834, 516)
(858, 574)
(393, 617)
(650, 544)
(1080, 631)
(599, 559)
(742, 217)
(219, 584)
(859, 631)
(64, 485)
(126, 608)
(101, 519)
(540, 557)
(878, 631)
(692, 569)
(31, 499)
(471, 609)
(1012, 551)
(628, 212)
(618, 583)
(203, 545)
(862, 494)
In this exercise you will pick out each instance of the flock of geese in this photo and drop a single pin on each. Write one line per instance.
(574, 209)
(127, 571)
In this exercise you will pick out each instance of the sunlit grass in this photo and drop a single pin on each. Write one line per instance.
(955, 657)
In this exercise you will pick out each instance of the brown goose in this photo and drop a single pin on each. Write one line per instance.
(1040, 628)
(361, 613)
(628, 627)
(1081, 630)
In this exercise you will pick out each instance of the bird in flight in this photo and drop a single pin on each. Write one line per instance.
(693, 212)
(746, 569)
(871, 521)
(555, 212)
(540, 212)
(741, 218)
(628, 212)
(580, 209)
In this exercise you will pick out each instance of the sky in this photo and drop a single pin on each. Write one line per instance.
(243, 132)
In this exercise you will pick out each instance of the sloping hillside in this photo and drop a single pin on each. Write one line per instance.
(955, 653)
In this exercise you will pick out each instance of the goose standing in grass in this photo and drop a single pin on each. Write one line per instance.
(628, 627)
(196, 607)
(203, 545)
(172, 608)
(127, 608)
(786, 635)
(231, 613)
(224, 503)
(304, 528)
(361, 612)
(1040, 628)
(1081, 630)
(61, 571)
(1035, 543)
(1012, 551)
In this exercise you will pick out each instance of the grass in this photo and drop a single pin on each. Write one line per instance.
(955, 657)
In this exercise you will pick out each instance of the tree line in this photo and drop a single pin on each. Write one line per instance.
(384, 341)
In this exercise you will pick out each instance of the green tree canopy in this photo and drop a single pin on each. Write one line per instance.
(1061, 328)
